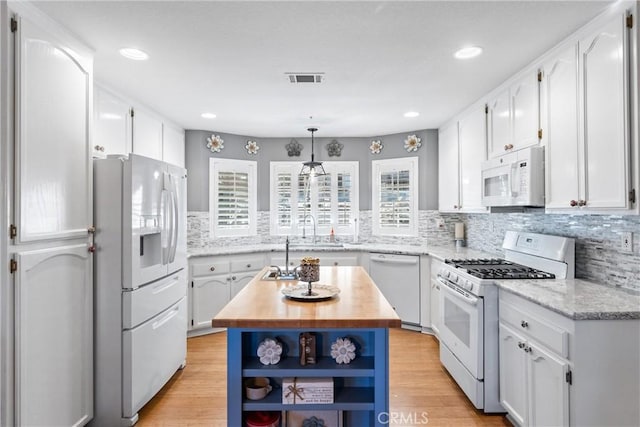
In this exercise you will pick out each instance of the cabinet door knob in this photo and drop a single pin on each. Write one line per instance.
(91, 229)
(212, 268)
(582, 203)
(573, 203)
(524, 324)
(527, 349)
(233, 277)
(92, 248)
(455, 206)
(335, 263)
(520, 344)
(248, 265)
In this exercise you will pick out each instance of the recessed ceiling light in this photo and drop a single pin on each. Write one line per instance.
(468, 52)
(133, 53)
(208, 116)
(411, 114)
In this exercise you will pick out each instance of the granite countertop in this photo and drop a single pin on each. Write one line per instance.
(440, 252)
(574, 298)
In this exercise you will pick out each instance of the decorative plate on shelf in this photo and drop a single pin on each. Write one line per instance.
(319, 292)
(343, 350)
(269, 351)
(215, 143)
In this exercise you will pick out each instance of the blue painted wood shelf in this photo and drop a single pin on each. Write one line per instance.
(324, 367)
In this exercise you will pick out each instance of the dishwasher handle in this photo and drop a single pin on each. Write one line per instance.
(383, 259)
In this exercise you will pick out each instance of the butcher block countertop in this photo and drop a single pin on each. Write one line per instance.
(359, 304)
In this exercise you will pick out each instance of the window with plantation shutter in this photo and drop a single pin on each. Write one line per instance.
(331, 199)
(395, 196)
(232, 197)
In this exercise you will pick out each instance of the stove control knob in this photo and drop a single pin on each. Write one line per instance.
(468, 285)
(454, 278)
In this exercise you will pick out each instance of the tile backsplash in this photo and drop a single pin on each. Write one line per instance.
(598, 250)
(428, 231)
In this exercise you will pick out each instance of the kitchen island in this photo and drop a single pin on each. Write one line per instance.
(359, 312)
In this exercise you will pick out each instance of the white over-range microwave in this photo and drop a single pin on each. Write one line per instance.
(514, 179)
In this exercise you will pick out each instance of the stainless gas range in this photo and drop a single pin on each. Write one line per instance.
(469, 307)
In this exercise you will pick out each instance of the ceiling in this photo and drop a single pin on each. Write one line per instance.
(379, 59)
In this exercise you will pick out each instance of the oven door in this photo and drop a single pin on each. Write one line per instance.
(461, 316)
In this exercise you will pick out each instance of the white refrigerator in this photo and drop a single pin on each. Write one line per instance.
(140, 283)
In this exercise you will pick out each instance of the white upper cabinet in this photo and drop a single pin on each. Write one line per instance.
(461, 151)
(173, 145)
(147, 134)
(111, 124)
(121, 128)
(588, 163)
(604, 93)
(53, 117)
(448, 195)
(499, 117)
(513, 115)
(472, 131)
(560, 121)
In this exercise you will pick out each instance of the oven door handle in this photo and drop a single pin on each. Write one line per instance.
(452, 289)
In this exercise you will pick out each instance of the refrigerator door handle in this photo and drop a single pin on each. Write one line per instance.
(167, 223)
(175, 219)
(165, 227)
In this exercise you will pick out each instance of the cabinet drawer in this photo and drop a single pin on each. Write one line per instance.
(344, 260)
(207, 268)
(151, 354)
(247, 264)
(147, 301)
(554, 338)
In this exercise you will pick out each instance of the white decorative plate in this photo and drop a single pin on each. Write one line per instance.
(343, 350)
(269, 351)
(319, 292)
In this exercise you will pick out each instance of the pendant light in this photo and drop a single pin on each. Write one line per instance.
(312, 169)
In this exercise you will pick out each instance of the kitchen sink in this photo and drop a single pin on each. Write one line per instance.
(275, 275)
(312, 246)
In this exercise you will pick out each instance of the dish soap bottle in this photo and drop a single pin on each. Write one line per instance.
(332, 236)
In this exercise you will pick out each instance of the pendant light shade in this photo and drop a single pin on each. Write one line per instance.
(312, 169)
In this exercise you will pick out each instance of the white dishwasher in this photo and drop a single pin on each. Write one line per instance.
(398, 278)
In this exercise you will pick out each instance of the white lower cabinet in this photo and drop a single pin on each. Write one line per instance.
(326, 258)
(533, 383)
(434, 286)
(214, 281)
(556, 371)
(534, 367)
(54, 336)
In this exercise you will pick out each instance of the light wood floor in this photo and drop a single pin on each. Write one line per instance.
(196, 396)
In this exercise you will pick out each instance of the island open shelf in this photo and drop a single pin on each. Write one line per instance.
(360, 313)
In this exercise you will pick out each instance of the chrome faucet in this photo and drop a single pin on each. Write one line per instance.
(278, 271)
(286, 256)
(304, 226)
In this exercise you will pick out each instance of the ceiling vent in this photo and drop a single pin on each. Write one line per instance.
(305, 77)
